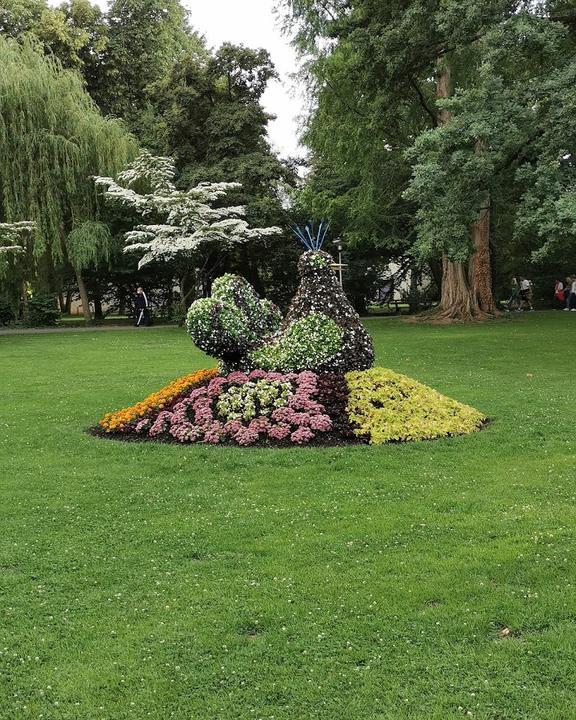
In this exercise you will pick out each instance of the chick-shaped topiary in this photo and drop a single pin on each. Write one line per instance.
(232, 321)
(321, 331)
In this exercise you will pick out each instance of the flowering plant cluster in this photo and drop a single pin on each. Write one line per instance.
(307, 343)
(245, 409)
(125, 419)
(385, 406)
(253, 398)
(271, 408)
(182, 222)
(320, 292)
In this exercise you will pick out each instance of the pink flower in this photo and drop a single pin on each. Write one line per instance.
(259, 425)
(245, 436)
(143, 426)
(198, 392)
(161, 424)
(258, 375)
(283, 415)
(322, 423)
(216, 386)
(302, 435)
(237, 378)
(279, 432)
(232, 427)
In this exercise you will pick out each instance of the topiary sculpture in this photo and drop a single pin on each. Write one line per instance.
(233, 321)
(321, 296)
(321, 332)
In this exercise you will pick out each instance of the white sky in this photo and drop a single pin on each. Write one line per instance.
(253, 23)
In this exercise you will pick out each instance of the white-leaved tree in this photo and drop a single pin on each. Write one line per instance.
(179, 226)
(15, 249)
(13, 236)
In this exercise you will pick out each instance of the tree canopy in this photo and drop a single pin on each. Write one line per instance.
(427, 114)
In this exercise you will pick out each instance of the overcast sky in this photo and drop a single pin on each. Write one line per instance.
(253, 23)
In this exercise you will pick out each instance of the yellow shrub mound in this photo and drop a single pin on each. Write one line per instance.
(389, 407)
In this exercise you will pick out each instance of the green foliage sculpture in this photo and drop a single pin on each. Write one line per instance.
(321, 331)
(232, 321)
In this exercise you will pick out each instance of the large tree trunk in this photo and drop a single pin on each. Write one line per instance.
(480, 266)
(457, 302)
(466, 292)
(83, 296)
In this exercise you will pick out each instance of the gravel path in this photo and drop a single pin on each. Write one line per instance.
(102, 328)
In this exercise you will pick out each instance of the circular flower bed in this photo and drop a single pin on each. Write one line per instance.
(272, 408)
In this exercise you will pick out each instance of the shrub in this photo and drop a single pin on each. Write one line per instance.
(7, 314)
(386, 407)
(252, 399)
(219, 329)
(42, 311)
(305, 345)
(320, 292)
(333, 393)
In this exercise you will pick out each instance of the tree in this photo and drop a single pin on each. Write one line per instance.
(412, 118)
(75, 32)
(14, 260)
(52, 140)
(207, 113)
(145, 39)
(186, 227)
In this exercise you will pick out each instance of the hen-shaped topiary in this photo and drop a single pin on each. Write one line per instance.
(232, 321)
(321, 331)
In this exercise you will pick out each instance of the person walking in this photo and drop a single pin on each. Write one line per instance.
(526, 294)
(141, 314)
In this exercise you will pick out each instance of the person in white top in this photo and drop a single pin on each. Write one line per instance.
(526, 294)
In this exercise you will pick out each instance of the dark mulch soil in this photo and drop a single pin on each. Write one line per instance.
(324, 440)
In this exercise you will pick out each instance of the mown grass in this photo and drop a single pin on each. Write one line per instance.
(205, 583)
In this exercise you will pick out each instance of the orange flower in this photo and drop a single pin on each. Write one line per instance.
(117, 421)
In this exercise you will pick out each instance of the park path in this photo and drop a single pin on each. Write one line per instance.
(99, 328)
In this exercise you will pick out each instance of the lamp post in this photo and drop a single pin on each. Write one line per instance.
(339, 248)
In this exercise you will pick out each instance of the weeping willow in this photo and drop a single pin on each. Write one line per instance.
(53, 140)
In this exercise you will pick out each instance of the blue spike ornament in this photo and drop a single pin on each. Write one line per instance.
(311, 237)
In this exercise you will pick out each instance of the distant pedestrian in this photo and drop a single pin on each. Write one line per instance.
(142, 311)
(559, 295)
(526, 294)
(570, 293)
(514, 299)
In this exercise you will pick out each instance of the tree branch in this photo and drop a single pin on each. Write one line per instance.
(346, 103)
(423, 102)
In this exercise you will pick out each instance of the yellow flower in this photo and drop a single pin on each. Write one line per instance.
(389, 407)
(117, 421)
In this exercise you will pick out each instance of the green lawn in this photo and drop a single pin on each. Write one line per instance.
(205, 583)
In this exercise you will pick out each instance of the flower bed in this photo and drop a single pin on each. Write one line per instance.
(244, 409)
(272, 408)
(124, 420)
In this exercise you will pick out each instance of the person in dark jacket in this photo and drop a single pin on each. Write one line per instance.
(142, 312)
